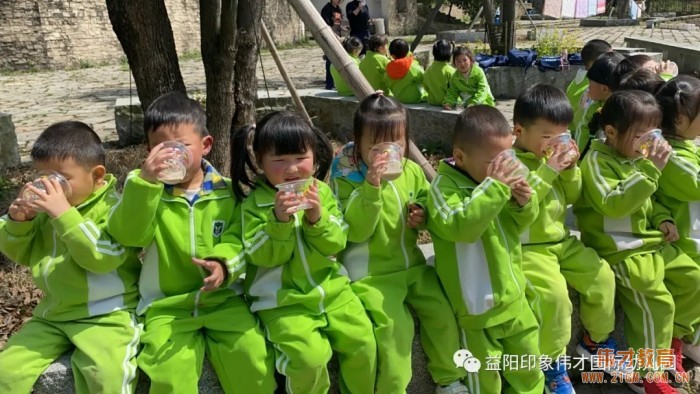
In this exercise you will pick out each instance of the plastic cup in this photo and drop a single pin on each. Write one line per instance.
(394, 165)
(517, 168)
(645, 142)
(557, 140)
(39, 184)
(177, 165)
(299, 188)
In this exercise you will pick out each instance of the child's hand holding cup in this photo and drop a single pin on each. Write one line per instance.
(291, 197)
(654, 147)
(29, 195)
(506, 167)
(391, 155)
(561, 151)
(176, 165)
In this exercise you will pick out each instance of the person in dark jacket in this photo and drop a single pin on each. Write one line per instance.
(359, 19)
(332, 14)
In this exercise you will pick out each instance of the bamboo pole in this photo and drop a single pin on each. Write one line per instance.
(283, 71)
(346, 66)
(426, 25)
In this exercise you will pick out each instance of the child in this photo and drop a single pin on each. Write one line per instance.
(439, 73)
(657, 285)
(191, 300)
(577, 92)
(352, 46)
(679, 186)
(404, 74)
(476, 215)
(383, 218)
(634, 63)
(373, 65)
(641, 79)
(468, 84)
(301, 295)
(553, 259)
(88, 280)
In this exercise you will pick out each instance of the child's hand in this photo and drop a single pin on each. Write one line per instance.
(376, 169)
(562, 158)
(155, 163)
(416, 215)
(670, 231)
(521, 191)
(21, 211)
(659, 153)
(501, 171)
(52, 201)
(285, 205)
(574, 159)
(313, 214)
(218, 274)
(447, 107)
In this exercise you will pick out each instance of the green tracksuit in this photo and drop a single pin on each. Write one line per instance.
(469, 91)
(619, 217)
(373, 67)
(341, 86)
(582, 116)
(303, 297)
(554, 260)
(475, 228)
(182, 323)
(435, 81)
(389, 272)
(90, 290)
(577, 91)
(406, 84)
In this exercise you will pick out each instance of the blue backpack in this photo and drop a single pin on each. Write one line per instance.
(485, 61)
(545, 63)
(575, 59)
(522, 57)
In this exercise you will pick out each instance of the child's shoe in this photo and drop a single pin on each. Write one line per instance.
(587, 348)
(692, 352)
(649, 387)
(677, 347)
(454, 388)
(556, 380)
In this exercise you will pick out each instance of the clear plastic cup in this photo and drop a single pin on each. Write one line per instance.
(177, 165)
(561, 139)
(517, 168)
(299, 188)
(39, 184)
(645, 142)
(394, 164)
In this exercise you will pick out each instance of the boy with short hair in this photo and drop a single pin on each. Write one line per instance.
(352, 46)
(88, 280)
(439, 73)
(191, 296)
(404, 75)
(476, 213)
(373, 65)
(553, 259)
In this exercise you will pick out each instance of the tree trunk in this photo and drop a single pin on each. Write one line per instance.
(508, 25)
(494, 42)
(245, 86)
(146, 37)
(623, 9)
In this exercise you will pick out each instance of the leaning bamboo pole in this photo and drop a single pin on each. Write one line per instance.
(348, 69)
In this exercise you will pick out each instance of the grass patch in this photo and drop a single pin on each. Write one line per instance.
(194, 54)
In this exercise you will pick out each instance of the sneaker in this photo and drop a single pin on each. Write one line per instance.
(692, 352)
(556, 380)
(677, 347)
(454, 388)
(587, 349)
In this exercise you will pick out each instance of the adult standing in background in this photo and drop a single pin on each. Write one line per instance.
(358, 16)
(332, 14)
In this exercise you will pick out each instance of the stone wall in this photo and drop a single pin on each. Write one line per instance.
(403, 17)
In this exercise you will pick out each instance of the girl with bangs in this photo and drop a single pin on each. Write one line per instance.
(384, 210)
(301, 295)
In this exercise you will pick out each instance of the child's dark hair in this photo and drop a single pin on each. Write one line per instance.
(641, 79)
(385, 118)
(624, 109)
(442, 50)
(628, 65)
(603, 68)
(173, 109)
(69, 140)
(542, 101)
(678, 97)
(478, 123)
(398, 48)
(377, 41)
(279, 133)
(351, 44)
(462, 51)
(593, 49)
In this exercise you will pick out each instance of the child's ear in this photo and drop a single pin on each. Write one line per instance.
(459, 156)
(610, 132)
(207, 144)
(682, 123)
(98, 174)
(517, 130)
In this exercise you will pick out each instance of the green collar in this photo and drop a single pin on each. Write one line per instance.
(110, 181)
(264, 193)
(599, 146)
(459, 176)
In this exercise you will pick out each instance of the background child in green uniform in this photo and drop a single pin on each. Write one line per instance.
(373, 65)
(477, 209)
(438, 74)
(577, 91)
(641, 79)
(620, 218)
(352, 46)
(191, 295)
(388, 270)
(468, 84)
(89, 281)
(404, 75)
(302, 296)
(553, 259)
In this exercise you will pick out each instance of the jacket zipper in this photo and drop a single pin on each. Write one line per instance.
(302, 254)
(45, 274)
(560, 207)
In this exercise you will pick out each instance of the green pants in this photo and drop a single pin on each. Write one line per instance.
(682, 279)
(493, 345)
(103, 360)
(303, 344)
(385, 298)
(175, 343)
(549, 270)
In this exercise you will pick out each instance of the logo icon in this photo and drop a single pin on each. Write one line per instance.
(218, 227)
(464, 359)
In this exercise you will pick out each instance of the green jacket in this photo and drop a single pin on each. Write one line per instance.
(581, 133)
(435, 81)
(555, 191)
(341, 86)
(172, 231)
(475, 228)
(289, 264)
(577, 91)
(80, 269)
(679, 191)
(469, 91)
(617, 212)
(379, 239)
(373, 67)
(404, 79)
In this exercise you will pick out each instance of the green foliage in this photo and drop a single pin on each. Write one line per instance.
(554, 42)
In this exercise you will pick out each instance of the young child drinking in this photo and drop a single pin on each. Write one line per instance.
(438, 74)
(352, 46)
(404, 74)
(577, 92)
(191, 297)
(57, 227)
(477, 207)
(656, 283)
(467, 85)
(301, 295)
(373, 65)
(553, 259)
(387, 269)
